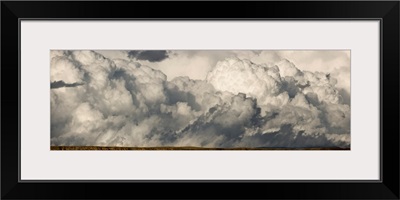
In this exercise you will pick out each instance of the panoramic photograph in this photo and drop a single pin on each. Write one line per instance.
(200, 99)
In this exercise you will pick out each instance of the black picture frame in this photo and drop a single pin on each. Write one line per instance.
(386, 11)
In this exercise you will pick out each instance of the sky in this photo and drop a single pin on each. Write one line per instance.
(206, 98)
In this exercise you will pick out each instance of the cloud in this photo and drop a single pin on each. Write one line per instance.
(234, 75)
(239, 103)
(151, 55)
(335, 62)
(59, 84)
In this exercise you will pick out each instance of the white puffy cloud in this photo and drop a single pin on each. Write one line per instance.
(335, 62)
(239, 103)
(63, 68)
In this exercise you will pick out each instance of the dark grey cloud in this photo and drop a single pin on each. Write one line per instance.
(60, 84)
(149, 55)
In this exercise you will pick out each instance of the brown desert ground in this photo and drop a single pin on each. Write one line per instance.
(85, 148)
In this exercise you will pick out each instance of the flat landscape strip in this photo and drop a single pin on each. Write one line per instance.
(182, 148)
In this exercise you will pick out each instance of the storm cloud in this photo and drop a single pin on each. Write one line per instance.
(240, 103)
(59, 84)
(151, 55)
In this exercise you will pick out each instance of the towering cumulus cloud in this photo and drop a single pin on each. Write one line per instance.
(120, 102)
